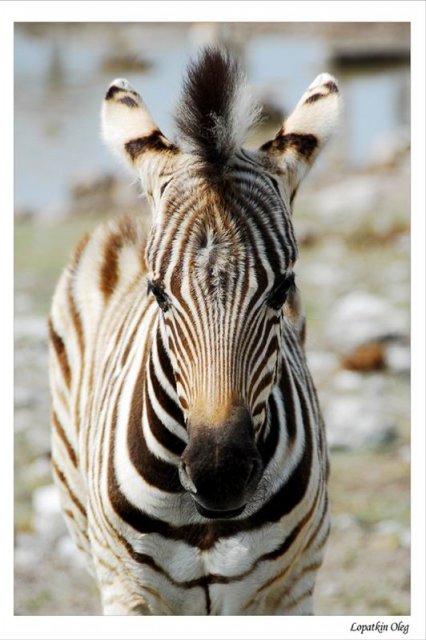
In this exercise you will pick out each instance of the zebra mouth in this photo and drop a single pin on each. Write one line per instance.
(218, 515)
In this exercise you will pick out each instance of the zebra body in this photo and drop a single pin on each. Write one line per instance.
(188, 444)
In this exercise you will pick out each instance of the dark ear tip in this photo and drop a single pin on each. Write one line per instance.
(112, 91)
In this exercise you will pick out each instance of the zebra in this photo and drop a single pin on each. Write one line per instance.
(188, 444)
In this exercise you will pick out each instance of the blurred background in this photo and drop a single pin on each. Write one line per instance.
(352, 220)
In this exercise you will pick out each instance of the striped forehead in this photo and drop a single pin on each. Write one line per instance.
(210, 224)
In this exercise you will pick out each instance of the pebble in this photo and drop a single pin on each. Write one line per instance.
(398, 358)
(31, 328)
(47, 516)
(360, 317)
(69, 552)
(39, 470)
(322, 362)
(347, 381)
(365, 357)
(357, 423)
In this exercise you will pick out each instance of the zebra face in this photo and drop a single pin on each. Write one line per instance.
(220, 257)
(221, 291)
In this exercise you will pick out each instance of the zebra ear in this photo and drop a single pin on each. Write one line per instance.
(129, 129)
(306, 131)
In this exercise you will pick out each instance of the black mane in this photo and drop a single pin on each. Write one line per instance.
(210, 122)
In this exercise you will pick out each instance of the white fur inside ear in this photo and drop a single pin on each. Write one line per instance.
(322, 79)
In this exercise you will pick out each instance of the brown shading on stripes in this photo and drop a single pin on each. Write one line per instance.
(303, 143)
(81, 532)
(78, 326)
(61, 353)
(61, 433)
(301, 597)
(314, 566)
(71, 494)
(153, 142)
(78, 251)
(109, 274)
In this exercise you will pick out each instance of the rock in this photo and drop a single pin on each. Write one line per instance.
(91, 184)
(40, 470)
(344, 521)
(48, 521)
(322, 363)
(398, 358)
(102, 193)
(24, 397)
(361, 208)
(357, 423)
(24, 214)
(68, 551)
(126, 63)
(390, 148)
(27, 551)
(360, 318)
(32, 327)
(396, 529)
(23, 302)
(347, 381)
(365, 357)
(344, 202)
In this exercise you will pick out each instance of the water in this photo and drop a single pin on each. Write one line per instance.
(60, 82)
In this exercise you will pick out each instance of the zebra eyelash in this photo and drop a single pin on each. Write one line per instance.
(280, 292)
(161, 297)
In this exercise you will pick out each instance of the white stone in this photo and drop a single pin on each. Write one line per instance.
(48, 520)
(361, 317)
(347, 381)
(390, 146)
(398, 358)
(355, 422)
(322, 361)
(39, 470)
(68, 551)
(30, 327)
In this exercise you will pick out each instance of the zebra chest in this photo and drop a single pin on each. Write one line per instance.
(179, 579)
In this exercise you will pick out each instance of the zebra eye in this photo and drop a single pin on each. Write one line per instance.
(161, 297)
(279, 294)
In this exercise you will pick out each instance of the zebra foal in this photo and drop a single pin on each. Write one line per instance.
(187, 441)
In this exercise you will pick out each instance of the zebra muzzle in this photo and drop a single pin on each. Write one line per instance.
(221, 466)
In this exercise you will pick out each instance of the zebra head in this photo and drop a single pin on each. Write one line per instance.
(220, 259)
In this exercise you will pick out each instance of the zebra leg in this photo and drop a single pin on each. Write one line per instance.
(119, 600)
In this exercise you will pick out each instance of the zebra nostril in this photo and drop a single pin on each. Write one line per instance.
(185, 478)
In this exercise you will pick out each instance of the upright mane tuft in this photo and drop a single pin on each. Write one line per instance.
(216, 110)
